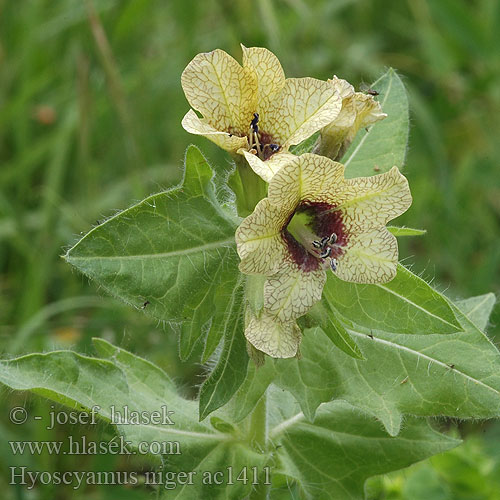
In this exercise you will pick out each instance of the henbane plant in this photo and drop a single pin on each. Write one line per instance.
(328, 355)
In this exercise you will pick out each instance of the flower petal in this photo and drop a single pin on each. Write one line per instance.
(221, 90)
(369, 257)
(195, 125)
(304, 106)
(368, 111)
(343, 87)
(290, 293)
(279, 340)
(358, 110)
(268, 168)
(268, 71)
(308, 177)
(367, 202)
(258, 238)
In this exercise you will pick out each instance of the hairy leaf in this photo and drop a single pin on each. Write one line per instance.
(478, 309)
(171, 254)
(249, 393)
(455, 374)
(332, 458)
(384, 144)
(407, 304)
(231, 368)
(121, 379)
(323, 315)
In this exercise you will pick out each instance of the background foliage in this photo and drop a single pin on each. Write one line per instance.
(90, 110)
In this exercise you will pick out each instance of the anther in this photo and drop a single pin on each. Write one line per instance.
(253, 123)
(326, 253)
(333, 239)
(333, 264)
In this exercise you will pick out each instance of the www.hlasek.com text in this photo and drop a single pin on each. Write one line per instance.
(82, 446)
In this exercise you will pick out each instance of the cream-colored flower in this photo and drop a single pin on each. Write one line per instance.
(359, 110)
(270, 336)
(252, 109)
(314, 220)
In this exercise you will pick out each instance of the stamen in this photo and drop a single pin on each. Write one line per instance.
(253, 123)
(326, 245)
(257, 144)
(325, 241)
(254, 135)
(272, 147)
(326, 253)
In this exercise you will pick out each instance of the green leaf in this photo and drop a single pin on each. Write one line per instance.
(311, 379)
(455, 374)
(384, 145)
(171, 254)
(332, 458)
(122, 379)
(250, 391)
(407, 304)
(305, 146)
(478, 309)
(406, 231)
(231, 368)
(327, 319)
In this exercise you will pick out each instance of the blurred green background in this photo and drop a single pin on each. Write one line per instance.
(90, 111)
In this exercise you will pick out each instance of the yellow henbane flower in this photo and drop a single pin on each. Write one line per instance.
(359, 110)
(314, 220)
(252, 109)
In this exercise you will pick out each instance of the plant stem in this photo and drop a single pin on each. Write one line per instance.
(258, 437)
(247, 185)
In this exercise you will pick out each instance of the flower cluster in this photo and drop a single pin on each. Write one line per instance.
(313, 220)
(252, 110)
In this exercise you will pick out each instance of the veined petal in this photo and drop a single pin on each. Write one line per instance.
(370, 256)
(268, 168)
(367, 202)
(368, 110)
(291, 292)
(358, 110)
(343, 87)
(195, 125)
(258, 238)
(268, 71)
(277, 339)
(308, 177)
(304, 106)
(221, 90)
